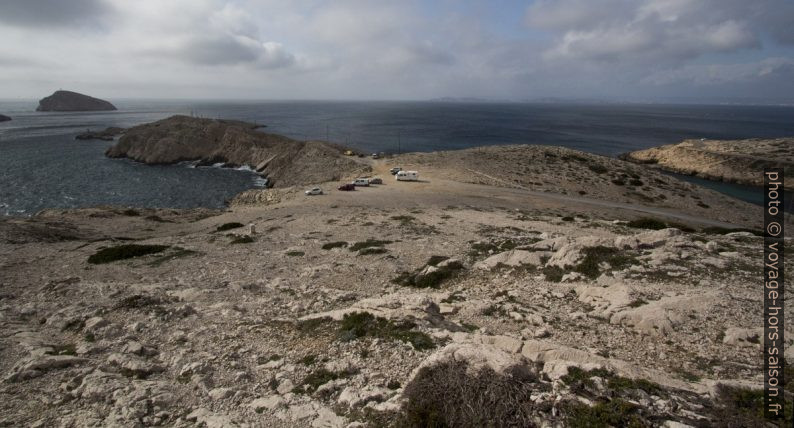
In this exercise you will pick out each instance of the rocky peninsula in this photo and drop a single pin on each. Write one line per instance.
(4, 118)
(282, 160)
(734, 161)
(574, 289)
(73, 101)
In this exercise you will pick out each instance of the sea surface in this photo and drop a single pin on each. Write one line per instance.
(43, 166)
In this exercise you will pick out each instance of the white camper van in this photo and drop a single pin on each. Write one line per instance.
(407, 176)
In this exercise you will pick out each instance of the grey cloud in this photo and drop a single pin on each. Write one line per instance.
(214, 50)
(650, 30)
(51, 12)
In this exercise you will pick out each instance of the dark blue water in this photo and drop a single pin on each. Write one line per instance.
(42, 166)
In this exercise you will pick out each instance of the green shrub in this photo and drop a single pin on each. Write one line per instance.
(370, 251)
(594, 256)
(613, 413)
(296, 253)
(647, 223)
(126, 251)
(242, 239)
(553, 273)
(315, 380)
(131, 212)
(331, 245)
(357, 325)
(228, 226)
(369, 243)
(598, 168)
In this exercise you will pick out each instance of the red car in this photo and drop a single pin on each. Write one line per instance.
(347, 187)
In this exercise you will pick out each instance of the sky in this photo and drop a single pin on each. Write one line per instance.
(626, 50)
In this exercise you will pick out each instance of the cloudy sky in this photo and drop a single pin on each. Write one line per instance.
(340, 49)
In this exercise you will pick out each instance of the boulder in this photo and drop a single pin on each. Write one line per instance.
(512, 258)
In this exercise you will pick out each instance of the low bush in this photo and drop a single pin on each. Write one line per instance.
(357, 325)
(331, 245)
(370, 251)
(448, 394)
(122, 252)
(594, 256)
(647, 223)
(369, 243)
(242, 239)
(228, 226)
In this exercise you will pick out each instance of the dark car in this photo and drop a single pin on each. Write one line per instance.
(376, 180)
(395, 170)
(347, 187)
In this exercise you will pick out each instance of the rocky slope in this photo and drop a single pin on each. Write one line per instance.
(72, 101)
(735, 161)
(283, 161)
(4, 118)
(405, 304)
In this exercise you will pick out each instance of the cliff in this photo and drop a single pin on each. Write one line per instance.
(72, 101)
(284, 161)
(734, 161)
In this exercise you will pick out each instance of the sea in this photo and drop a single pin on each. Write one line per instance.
(43, 166)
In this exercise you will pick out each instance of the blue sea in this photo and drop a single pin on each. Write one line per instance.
(43, 166)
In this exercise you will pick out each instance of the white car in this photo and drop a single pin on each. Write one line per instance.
(315, 191)
(361, 182)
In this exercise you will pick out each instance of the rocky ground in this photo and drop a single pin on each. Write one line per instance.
(406, 304)
(735, 161)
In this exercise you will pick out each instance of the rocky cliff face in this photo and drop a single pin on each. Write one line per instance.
(737, 161)
(4, 118)
(284, 161)
(72, 101)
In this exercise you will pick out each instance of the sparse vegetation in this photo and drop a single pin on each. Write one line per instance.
(590, 266)
(647, 223)
(122, 252)
(363, 324)
(369, 243)
(228, 226)
(331, 245)
(370, 251)
(242, 239)
(448, 395)
(553, 273)
(295, 253)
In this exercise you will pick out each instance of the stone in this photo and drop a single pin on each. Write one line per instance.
(512, 258)
(285, 387)
(354, 397)
(220, 393)
(747, 337)
(269, 403)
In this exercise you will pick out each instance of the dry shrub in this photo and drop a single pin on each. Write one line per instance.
(446, 395)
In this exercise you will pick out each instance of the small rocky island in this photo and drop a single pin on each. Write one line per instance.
(72, 101)
(733, 161)
(4, 118)
(282, 160)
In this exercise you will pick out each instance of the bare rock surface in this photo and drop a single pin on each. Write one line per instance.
(735, 161)
(292, 323)
(285, 162)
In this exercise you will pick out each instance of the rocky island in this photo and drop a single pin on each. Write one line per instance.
(283, 161)
(4, 118)
(574, 289)
(734, 161)
(72, 101)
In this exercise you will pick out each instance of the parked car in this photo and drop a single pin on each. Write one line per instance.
(314, 191)
(361, 182)
(347, 187)
(376, 180)
(407, 176)
(375, 156)
(395, 170)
